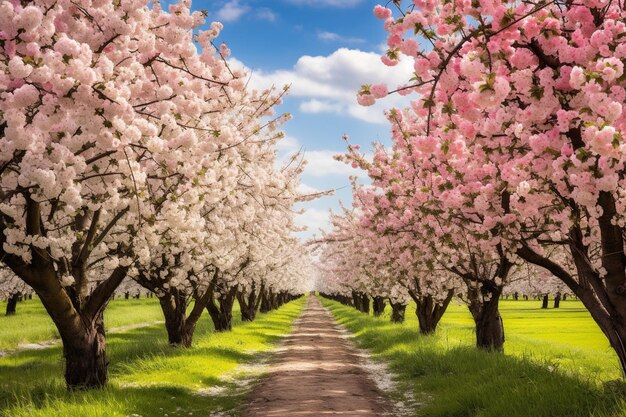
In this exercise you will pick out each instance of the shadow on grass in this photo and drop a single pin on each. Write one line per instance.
(465, 382)
(158, 400)
(147, 376)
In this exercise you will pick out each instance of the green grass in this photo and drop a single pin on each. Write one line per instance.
(557, 363)
(32, 323)
(567, 338)
(147, 377)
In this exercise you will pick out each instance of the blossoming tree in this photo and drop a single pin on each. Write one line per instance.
(115, 122)
(535, 91)
(12, 289)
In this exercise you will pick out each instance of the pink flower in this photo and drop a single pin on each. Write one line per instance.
(409, 47)
(523, 58)
(567, 150)
(388, 61)
(610, 68)
(366, 99)
(613, 111)
(379, 90)
(577, 77)
(30, 18)
(10, 48)
(382, 12)
(67, 46)
(224, 50)
(18, 69)
(25, 95)
(394, 41)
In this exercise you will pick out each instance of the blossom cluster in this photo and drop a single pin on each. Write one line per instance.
(512, 150)
(129, 147)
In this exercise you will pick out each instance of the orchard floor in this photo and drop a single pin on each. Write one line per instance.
(556, 363)
(147, 377)
(317, 372)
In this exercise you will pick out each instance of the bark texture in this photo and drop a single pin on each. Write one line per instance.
(221, 312)
(249, 303)
(12, 303)
(397, 312)
(428, 311)
(378, 306)
(488, 322)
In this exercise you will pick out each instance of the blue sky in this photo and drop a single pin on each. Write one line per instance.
(325, 49)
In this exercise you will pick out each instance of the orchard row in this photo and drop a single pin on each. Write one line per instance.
(507, 166)
(131, 152)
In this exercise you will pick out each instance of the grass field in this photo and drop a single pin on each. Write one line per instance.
(32, 324)
(557, 363)
(147, 377)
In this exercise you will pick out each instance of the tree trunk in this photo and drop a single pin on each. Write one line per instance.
(365, 303)
(174, 309)
(516, 296)
(544, 302)
(266, 303)
(273, 300)
(379, 306)
(397, 312)
(76, 310)
(429, 312)
(12, 303)
(356, 300)
(557, 300)
(564, 297)
(86, 362)
(80, 325)
(489, 327)
(249, 305)
(281, 299)
(347, 300)
(222, 316)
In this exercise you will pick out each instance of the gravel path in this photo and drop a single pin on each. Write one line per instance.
(317, 373)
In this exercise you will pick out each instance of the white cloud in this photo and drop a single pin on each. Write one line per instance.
(232, 11)
(335, 37)
(307, 189)
(286, 148)
(266, 14)
(313, 219)
(319, 106)
(330, 83)
(322, 163)
(288, 144)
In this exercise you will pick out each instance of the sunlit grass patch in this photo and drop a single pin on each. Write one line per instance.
(556, 363)
(147, 377)
(32, 323)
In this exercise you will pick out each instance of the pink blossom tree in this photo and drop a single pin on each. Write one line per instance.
(533, 91)
(416, 198)
(374, 261)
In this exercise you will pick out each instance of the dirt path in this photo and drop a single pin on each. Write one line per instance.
(316, 373)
